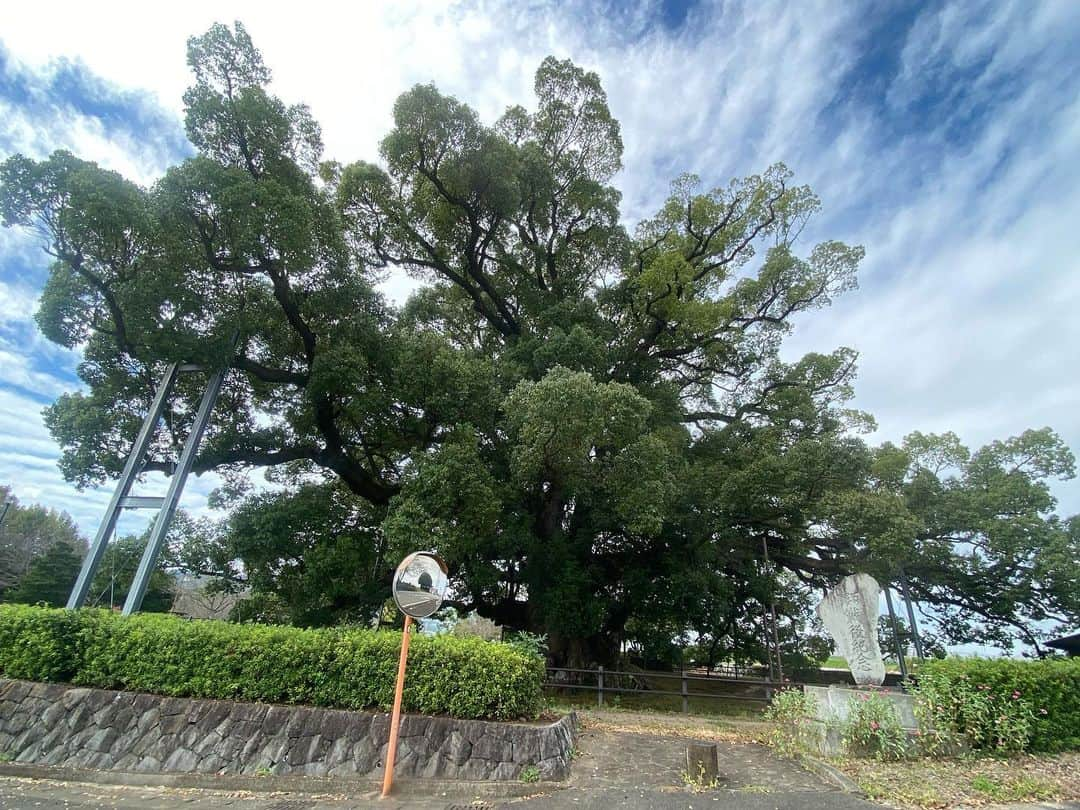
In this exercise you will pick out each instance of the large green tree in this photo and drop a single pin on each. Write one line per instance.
(589, 423)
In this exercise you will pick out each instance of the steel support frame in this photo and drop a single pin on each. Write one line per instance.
(123, 487)
(911, 615)
(172, 497)
(896, 633)
(166, 507)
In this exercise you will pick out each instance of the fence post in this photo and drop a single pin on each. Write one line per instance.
(685, 698)
(600, 690)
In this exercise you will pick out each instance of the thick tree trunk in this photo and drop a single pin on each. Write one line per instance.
(582, 653)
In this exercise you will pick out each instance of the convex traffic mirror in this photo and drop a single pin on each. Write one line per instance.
(420, 584)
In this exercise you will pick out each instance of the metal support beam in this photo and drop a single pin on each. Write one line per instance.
(911, 616)
(141, 502)
(896, 634)
(172, 497)
(123, 486)
(772, 613)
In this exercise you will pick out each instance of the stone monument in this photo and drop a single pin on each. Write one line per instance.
(849, 612)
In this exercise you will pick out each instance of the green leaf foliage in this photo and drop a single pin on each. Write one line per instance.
(50, 578)
(343, 668)
(1041, 700)
(116, 572)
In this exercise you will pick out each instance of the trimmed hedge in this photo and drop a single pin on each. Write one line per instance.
(342, 668)
(1050, 687)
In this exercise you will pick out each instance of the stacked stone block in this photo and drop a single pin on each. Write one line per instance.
(56, 724)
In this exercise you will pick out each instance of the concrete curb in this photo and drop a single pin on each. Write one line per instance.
(352, 788)
(831, 774)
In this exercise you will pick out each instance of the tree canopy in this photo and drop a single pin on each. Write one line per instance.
(50, 577)
(593, 424)
(27, 532)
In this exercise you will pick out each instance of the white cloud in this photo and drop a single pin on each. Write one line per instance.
(40, 132)
(16, 369)
(28, 461)
(17, 302)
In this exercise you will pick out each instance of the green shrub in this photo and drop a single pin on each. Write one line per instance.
(1003, 704)
(38, 644)
(344, 668)
(532, 643)
(790, 711)
(873, 728)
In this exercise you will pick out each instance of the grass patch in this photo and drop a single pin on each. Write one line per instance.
(970, 781)
(1022, 789)
(666, 725)
(839, 662)
(756, 789)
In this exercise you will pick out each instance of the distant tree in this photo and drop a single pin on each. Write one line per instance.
(27, 532)
(261, 608)
(50, 578)
(116, 572)
(200, 598)
(979, 539)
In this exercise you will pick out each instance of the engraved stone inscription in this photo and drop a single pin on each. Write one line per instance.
(849, 612)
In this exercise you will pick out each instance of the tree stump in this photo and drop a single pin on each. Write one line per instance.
(702, 764)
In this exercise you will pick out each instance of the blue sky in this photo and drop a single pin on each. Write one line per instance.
(944, 137)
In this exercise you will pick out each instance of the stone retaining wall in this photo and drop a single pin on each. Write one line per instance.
(57, 724)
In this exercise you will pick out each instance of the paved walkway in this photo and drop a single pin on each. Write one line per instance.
(614, 759)
(639, 771)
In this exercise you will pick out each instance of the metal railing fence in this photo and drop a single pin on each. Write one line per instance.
(608, 681)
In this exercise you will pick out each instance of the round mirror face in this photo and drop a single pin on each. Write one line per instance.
(420, 584)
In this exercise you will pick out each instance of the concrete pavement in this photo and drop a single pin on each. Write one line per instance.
(34, 794)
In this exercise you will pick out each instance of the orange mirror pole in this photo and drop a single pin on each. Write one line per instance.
(395, 717)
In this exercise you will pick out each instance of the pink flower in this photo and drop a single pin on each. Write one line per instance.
(874, 725)
(1016, 695)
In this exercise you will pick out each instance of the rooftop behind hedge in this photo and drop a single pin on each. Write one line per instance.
(343, 668)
